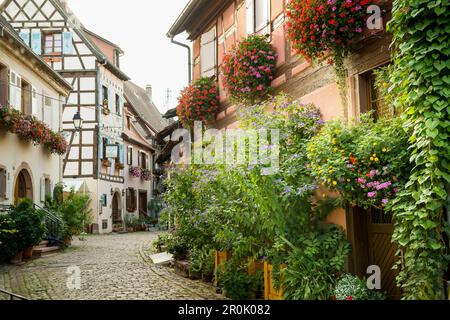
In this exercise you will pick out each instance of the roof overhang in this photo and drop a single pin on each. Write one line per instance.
(196, 16)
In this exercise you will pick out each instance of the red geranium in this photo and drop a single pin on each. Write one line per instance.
(29, 128)
(248, 69)
(317, 26)
(198, 102)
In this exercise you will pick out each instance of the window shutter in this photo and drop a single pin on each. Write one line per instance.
(36, 42)
(134, 200)
(34, 102)
(120, 105)
(139, 158)
(8, 186)
(18, 92)
(42, 189)
(250, 16)
(25, 35)
(127, 199)
(100, 91)
(110, 100)
(121, 155)
(100, 148)
(2, 184)
(67, 43)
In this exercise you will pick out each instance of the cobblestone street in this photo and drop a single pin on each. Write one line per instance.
(113, 267)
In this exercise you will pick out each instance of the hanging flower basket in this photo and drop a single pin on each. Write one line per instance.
(249, 68)
(120, 166)
(135, 172)
(318, 26)
(198, 102)
(146, 175)
(30, 129)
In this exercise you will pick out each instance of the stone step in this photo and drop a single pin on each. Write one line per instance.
(42, 244)
(40, 252)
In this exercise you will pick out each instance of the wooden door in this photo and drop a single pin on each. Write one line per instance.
(382, 250)
(143, 204)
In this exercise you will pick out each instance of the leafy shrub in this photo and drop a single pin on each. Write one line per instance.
(237, 283)
(314, 264)
(202, 260)
(249, 67)
(367, 163)
(7, 237)
(351, 287)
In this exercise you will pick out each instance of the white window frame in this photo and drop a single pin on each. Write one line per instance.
(264, 26)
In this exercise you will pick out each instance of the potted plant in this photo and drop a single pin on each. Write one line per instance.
(106, 163)
(146, 175)
(120, 166)
(135, 172)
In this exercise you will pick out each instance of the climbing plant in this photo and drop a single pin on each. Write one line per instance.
(421, 80)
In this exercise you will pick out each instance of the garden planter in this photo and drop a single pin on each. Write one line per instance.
(222, 257)
(17, 258)
(255, 266)
(106, 163)
(28, 253)
(120, 166)
(270, 293)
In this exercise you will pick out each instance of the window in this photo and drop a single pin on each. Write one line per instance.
(143, 160)
(371, 98)
(116, 58)
(26, 97)
(47, 101)
(130, 156)
(3, 178)
(117, 104)
(47, 187)
(104, 144)
(129, 122)
(258, 16)
(3, 86)
(53, 43)
(105, 97)
(208, 56)
(131, 200)
(104, 224)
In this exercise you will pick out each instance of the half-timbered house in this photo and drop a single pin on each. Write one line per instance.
(90, 64)
(142, 123)
(215, 26)
(31, 87)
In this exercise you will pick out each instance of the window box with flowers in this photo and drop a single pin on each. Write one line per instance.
(30, 129)
(249, 68)
(198, 102)
(135, 172)
(146, 175)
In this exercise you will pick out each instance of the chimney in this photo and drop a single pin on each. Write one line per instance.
(149, 90)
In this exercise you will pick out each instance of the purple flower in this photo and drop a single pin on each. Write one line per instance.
(384, 185)
(384, 201)
(359, 30)
(372, 194)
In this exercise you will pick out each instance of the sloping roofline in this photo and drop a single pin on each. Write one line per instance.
(5, 27)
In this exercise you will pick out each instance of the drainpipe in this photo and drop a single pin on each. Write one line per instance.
(189, 56)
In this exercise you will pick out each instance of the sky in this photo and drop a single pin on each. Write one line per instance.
(139, 27)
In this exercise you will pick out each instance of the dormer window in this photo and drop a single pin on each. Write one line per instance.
(116, 58)
(53, 43)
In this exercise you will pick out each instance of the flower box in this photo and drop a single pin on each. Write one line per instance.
(270, 293)
(106, 111)
(135, 172)
(120, 166)
(221, 258)
(146, 175)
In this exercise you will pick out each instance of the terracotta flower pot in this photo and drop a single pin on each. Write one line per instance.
(28, 253)
(17, 258)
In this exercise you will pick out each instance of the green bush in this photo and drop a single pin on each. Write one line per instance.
(237, 283)
(7, 237)
(202, 260)
(351, 287)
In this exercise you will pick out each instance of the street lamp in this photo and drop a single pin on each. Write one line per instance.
(77, 121)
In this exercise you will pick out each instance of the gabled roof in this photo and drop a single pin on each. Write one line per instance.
(138, 98)
(196, 16)
(66, 13)
(7, 29)
(112, 44)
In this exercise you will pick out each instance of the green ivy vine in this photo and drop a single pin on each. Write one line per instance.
(421, 81)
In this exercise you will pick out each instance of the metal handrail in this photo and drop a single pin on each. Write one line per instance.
(12, 296)
(55, 225)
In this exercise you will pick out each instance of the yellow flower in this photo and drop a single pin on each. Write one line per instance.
(348, 180)
(331, 171)
(384, 150)
(334, 141)
(374, 155)
(334, 183)
(324, 195)
(375, 144)
(371, 159)
(377, 160)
